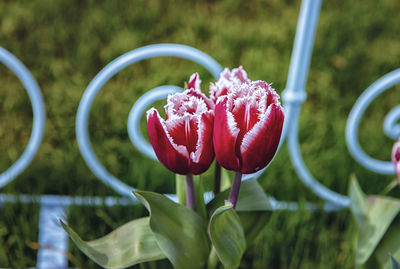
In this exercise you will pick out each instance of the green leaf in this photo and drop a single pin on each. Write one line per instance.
(373, 215)
(180, 232)
(357, 202)
(253, 223)
(130, 244)
(227, 236)
(251, 198)
(395, 263)
(389, 245)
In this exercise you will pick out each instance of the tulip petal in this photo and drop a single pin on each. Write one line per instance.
(246, 113)
(174, 157)
(183, 131)
(202, 157)
(260, 143)
(227, 81)
(200, 95)
(224, 137)
(194, 82)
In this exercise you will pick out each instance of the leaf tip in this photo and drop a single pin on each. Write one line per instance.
(62, 223)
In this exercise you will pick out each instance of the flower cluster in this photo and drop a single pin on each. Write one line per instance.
(241, 122)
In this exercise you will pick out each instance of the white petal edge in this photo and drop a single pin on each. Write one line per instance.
(252, 134)
(195, 156)
(179, 148)
(197, 82)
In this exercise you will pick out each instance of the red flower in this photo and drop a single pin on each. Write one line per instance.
(247, 127)
(183, 142)
(396, 158)
(227, 81)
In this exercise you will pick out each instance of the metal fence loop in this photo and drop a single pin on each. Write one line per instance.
(39, 116)
(390, 126)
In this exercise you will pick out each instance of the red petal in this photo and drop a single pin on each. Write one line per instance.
(246, 114)
(202, 158)
(183, 131)
(260, 144)
(174, 157)
(224, 137)
(194, 82)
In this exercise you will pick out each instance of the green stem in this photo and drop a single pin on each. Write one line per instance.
(389, 187)
(234, 194)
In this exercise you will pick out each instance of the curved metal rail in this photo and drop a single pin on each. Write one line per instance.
(293, 96)
(39, 116)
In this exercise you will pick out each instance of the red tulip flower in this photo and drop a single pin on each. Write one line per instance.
(247, 127)
(396, 158)
(227, 81)
(183, 141)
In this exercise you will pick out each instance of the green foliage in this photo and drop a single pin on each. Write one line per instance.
(395, 263)
(65, 43)
(251, 198)
(128, 245)
(179, 231)
(227, 236)
(374, 215)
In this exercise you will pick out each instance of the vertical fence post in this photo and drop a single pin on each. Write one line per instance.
(53, 240)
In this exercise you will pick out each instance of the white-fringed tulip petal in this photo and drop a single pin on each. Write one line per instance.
(247, 127)
(183, 142)
(227, 81)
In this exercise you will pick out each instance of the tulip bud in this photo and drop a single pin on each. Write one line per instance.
(396, 158)
(227, 81)
(183, 142)
(247, 127)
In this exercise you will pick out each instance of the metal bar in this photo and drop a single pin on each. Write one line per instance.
(39, 116)
(295, 94)
(67, 201)
(53, 240)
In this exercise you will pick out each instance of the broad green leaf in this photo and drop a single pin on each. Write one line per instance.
(130, 244)
(357, 202)
(180, 232)
(251, 198)
(395, 263)
(373, 215)
(253, 223)
(389, 245)
(227, 236)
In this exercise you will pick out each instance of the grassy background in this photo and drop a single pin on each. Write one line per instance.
(66, 43)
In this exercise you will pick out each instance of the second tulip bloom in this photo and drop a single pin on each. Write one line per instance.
(247, 127)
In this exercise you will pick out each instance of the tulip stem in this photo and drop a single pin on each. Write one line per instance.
(217, 178)
(234, 195)
(190, 197)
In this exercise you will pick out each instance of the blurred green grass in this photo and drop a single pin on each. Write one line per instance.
(66, 43)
